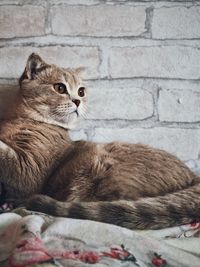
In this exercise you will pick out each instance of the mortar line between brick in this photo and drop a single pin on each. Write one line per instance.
(174, 6)
(120, 79)
(125, 3)
(123, 123)
(39, 41)
(148, 21)
(43, 4)
(103, 67)
(130, 3)
(48, 19)
(93, 37)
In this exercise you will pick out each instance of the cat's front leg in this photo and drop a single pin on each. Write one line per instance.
(6, 151)
(8, 158)
(8, 163)
(11, 173)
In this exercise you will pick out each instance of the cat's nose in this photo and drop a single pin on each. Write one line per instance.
(76, 102)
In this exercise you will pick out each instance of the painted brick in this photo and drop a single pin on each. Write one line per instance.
(179, 105)
(176, 22)
(78, 135)
(21, 21)
(78, 27)
(119, 103)
(98, 20)
(161, 62)
(13, 59)
(185, 143)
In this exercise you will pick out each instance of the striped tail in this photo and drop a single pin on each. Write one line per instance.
(173, 209)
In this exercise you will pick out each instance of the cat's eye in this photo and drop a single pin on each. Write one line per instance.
(81, 91)
(60, 88)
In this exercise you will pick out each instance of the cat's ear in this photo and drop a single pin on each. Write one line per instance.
(34, 65)
(80, 71)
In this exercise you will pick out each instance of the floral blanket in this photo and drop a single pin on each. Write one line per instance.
(35, 239)
(41, 240)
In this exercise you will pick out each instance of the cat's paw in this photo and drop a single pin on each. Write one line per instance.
(15, 202)
(6, 207)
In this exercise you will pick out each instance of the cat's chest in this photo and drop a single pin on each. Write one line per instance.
(44, 156)
(39, 149)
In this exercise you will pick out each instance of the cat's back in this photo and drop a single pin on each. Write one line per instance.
(115, 165)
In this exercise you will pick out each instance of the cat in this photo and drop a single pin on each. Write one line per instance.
(130, 185)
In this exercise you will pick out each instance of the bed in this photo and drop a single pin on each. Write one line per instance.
(35, 239)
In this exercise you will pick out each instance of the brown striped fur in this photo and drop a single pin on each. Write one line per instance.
(130, 185)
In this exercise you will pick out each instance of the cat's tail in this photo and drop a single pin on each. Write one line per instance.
(173, 209)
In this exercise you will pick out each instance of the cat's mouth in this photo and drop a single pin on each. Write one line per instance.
(75, 112)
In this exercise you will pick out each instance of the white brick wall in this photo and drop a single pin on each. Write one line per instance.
(120, 103)
(142, 60)
(21, 21)
(179, 105)
(176, 22)
(13, 59)
(100, 20)
(177, 141)
(160, 62)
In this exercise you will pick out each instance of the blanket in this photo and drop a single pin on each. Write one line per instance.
(35, 239)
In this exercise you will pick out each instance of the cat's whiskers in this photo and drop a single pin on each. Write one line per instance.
(83, 111)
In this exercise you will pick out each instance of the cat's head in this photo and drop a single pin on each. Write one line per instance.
(52, 94)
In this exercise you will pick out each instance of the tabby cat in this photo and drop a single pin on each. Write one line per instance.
(131, 185)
